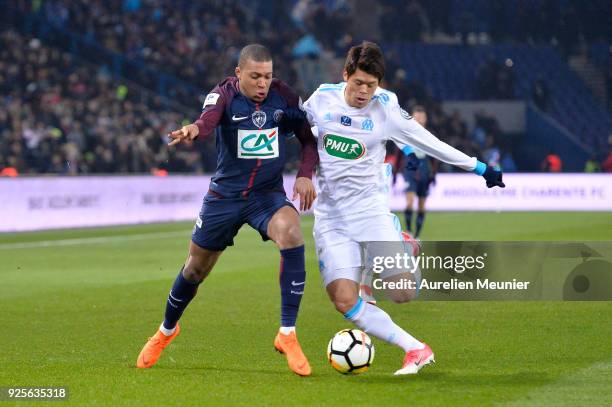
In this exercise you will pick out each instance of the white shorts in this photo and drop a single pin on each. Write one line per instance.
(338, 241)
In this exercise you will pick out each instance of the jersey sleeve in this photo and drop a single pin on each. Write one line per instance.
(403, 147)
(393, 101)
(301, 128)
(307, 106)
(405, 131)
(212, 109)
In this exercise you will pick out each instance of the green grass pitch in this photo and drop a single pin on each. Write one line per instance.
(76, 307)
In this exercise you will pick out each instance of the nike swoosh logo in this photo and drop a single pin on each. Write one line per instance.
(293, 283)
(237, 119)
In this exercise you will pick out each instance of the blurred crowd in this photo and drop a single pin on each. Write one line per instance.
(196, 41)
(57, 117)
(560, 22)
(484, 140)
(496, 80)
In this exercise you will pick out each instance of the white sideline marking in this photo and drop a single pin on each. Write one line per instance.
(92, 240)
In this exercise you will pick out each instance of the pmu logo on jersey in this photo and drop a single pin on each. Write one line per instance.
(345, 120)
(254, 144)
(343, 147)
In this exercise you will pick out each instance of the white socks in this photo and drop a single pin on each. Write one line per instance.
(373, 320)
(165, 331)
(286, 330)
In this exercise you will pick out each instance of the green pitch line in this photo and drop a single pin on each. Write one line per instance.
(516, 226)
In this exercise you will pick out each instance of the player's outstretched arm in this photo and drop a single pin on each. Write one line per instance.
(405, 130)
(212, 110)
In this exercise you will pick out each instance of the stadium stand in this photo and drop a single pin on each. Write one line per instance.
(439, 50)
(63, 117)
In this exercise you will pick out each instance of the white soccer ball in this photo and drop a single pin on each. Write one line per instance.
(350, 351)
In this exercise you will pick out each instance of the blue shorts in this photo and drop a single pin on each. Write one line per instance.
(220, 218)
(416, 184)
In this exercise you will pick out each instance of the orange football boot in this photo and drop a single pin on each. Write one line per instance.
(154, 347)
(290, 347)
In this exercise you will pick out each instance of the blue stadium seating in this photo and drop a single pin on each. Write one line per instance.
(449, 72)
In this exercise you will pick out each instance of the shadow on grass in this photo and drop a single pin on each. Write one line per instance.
(204, 369)
(468, 378)
(429, 376)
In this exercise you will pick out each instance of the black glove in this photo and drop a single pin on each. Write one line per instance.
(412, 162)
(493, 176)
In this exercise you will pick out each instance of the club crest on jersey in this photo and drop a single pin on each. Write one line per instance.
(405, 114)
(278, 115)
(259, 118)
(343, 147)
(368, 125)
(345, 120)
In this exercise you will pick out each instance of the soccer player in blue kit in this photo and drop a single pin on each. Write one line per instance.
(253, 115)
(419, 173)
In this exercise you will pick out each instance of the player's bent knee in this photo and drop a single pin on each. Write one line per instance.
(199, 262)
(289, 235)
(293, 235)
(197, 269)
(195, 273)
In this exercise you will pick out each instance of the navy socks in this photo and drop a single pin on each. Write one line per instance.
(292, 279)
(181, 294)
(408, 216)
(419, 223)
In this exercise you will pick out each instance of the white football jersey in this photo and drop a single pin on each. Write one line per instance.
(351, 146)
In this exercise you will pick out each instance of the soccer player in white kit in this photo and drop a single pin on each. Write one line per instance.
(354, 119)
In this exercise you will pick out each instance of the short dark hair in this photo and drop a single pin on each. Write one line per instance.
(255, 52)
(366, 56)
(417, 109)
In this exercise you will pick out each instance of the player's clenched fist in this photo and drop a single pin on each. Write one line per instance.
(188, 133)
